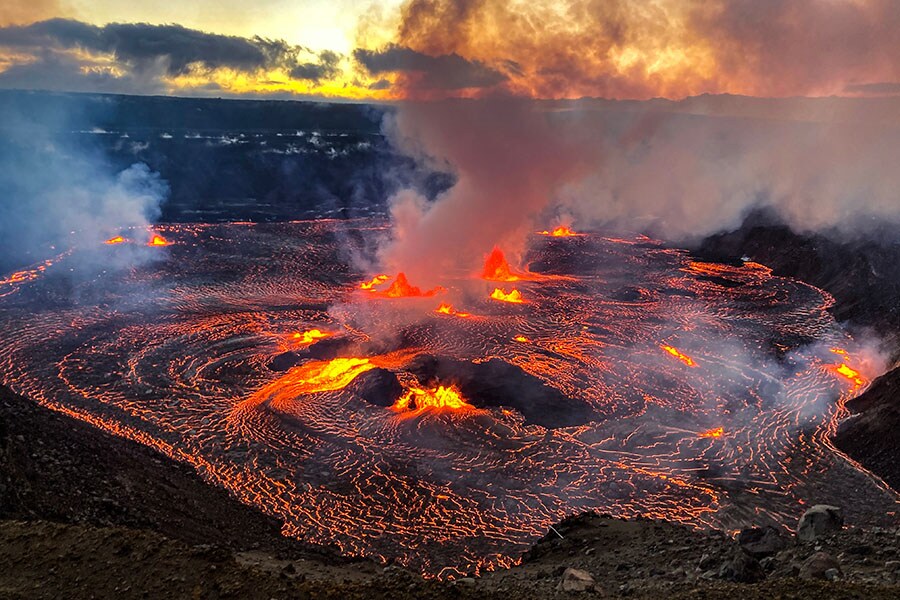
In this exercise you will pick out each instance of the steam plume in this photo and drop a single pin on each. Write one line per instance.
(59, 193)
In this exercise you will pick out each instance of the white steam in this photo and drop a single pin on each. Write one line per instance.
(59, 193)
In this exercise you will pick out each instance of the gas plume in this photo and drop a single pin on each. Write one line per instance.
(59, 194)
(667, 170)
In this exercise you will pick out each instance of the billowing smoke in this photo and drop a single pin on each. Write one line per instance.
(684, 176)
(509, 159)
(657, 168)
(60, 193)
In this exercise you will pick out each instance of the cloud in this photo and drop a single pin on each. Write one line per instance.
(51, 71)
(445, 71)
(668, 48)
(140, 58)
(326, 68)
(12, 13)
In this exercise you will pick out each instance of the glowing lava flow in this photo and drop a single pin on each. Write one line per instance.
(849, 373)
(716, 432)
(189, 368)
(377, 280)
(439, 398)
(678, 354)
(514, 296)
(308, 337)
(561, 231)
(335, 374)
(845, 370)
(401, 288)
(158, 240)
(447, 309)
(115, 240)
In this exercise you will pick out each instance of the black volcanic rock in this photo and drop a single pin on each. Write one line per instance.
(284, 361)
(57, 468)
(377, 386)
(497, 383)
(326, 349)
(872, 436)
(760, 542)
(863, 274)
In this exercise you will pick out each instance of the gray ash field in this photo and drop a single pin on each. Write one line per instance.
(630, 379)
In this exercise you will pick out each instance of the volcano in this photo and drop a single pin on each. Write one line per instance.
(634, 381)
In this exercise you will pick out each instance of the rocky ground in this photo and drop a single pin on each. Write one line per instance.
(872, 434)
(87, 515)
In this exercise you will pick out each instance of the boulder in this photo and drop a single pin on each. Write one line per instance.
(576, 580)
(377, 386)
(820, 565)
(760, 542)
(742, 568)
(819, 521)
(284, 361)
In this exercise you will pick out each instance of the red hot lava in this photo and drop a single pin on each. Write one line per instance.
(158, 240)
(400, 288)
(561, 231)
(497, 269)
(447, 309)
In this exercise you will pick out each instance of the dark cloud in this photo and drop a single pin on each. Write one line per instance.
(381, 84)
(145, 51)
(445, 71)
(326, 68)
(52, 71)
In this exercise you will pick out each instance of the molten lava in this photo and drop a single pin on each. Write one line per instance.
(849, 373)
(439, 398)
(308, 337)
(679, 355)
(716, 432)
(496, 268)
(447, 309)
(115, 240)
(328, 375)
(158, 240)
(561, 231)
(400, 288)
(521, 338)
(377, 280)
(514, 296)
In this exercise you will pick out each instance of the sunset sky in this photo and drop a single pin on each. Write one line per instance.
(392, 49)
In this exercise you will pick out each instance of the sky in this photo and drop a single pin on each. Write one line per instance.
(396, 49)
